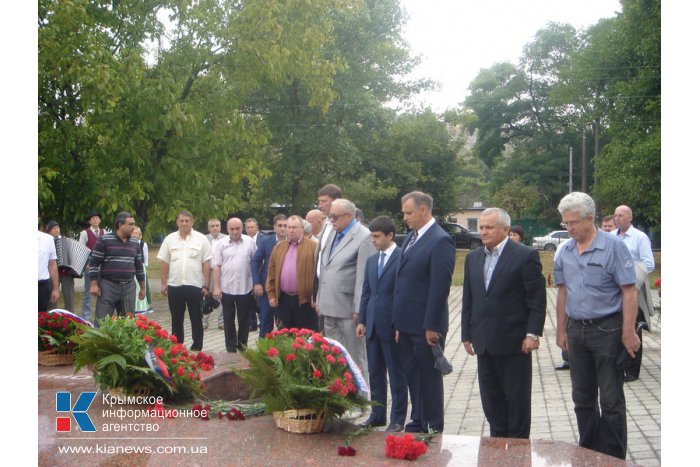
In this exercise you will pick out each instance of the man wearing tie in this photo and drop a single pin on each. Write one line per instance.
(503, 312)
(343, 261)
(326, 195)
(420, 312)
(375, 324)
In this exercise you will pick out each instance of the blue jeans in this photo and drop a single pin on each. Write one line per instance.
(602, 425)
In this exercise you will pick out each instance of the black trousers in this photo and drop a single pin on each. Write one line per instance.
(294, 315)
(232, 305)
(505, 384)
(190, 297)
(44, 295)
(425, 384)
(634, 371)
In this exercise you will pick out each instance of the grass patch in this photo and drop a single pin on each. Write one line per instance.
(547, 259)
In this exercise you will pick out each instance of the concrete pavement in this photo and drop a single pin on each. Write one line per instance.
(553, 415)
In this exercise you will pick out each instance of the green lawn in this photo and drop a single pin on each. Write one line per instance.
(547, 258)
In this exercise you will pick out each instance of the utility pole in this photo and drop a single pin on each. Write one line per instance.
(596, 149)
(571, 169)
(583, 161)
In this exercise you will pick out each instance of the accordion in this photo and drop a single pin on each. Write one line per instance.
(71, 256)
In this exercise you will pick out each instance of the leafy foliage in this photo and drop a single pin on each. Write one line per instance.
(527, 116)
(116, 352)
(299, 369)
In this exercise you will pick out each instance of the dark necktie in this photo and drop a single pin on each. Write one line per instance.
(380, 269)
(411, 242)
(336, 240)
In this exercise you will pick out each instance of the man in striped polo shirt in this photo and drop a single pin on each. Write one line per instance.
(115, 260)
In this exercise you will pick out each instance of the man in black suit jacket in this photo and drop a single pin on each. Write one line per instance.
(374, 322)
(259, 264)
(503, 313)
(420, 313)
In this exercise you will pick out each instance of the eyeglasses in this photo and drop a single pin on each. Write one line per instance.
(565, 225)
(335, 217)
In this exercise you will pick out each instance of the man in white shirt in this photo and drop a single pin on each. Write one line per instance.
(253, 231)
(184, 274)
(639, 246)
(88, 237)
(214, 235)
(233, 282)
(48, 271)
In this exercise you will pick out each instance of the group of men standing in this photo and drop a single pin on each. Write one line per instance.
(388, 305)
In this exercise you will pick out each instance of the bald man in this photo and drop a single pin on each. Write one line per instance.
(233, 282)
(315, 217)
(639, 246)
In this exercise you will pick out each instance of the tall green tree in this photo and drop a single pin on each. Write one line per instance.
(309, 146)
(155, 131)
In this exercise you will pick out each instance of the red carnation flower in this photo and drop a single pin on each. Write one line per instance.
(317, 374)
(190, 375)
(335, 350)
(296, 346)
(325, 348)
(180, 371)
(330, 358)
(159, 352)
(173, 361)
(147, 338)
(308, 346)
(291, 357)
(173, 338)
(342, 361)
(272, 352)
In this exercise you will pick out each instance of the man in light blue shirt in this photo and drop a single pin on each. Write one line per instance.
(596, 311)
(639, 246)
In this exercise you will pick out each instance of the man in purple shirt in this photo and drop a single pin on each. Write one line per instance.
(233, 282)
(290, 278)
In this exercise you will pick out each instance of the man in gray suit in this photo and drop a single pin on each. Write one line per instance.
(342, 260)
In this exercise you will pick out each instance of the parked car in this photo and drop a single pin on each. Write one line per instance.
(551, 241)
(462, 237)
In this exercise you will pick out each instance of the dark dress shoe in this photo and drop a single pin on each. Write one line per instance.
(394, 428)
(629, 377)
(414, 427)
(563, 366)
(371, 422)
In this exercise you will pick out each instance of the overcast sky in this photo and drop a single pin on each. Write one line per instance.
(457, 38)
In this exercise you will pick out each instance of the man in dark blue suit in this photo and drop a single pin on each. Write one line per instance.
(253, 230)
(374, 322)
(420, 314)
(259, 267)
(503, 313)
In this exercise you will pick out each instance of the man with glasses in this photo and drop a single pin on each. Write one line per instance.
(114, 262)
(342, 261)
(596, 312)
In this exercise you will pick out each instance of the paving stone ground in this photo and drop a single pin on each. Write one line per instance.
(553, 415)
